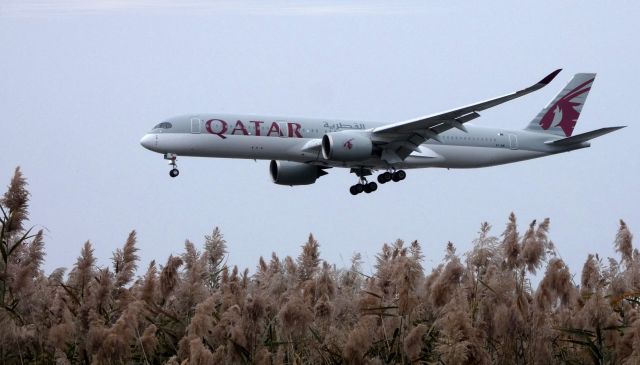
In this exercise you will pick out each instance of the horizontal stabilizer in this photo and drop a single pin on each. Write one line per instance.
(579, 138)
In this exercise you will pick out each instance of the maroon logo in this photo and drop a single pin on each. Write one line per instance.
(221, 128)
(348, 144)
(563, 113)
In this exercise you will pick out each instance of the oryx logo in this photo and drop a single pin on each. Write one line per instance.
(563, 113)
(348, 144)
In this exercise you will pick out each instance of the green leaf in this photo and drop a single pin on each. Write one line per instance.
(380, 308)
(595, 352)
(487, 286)
(372, 293)
(576, 331)
(4, 252)
(24, 237)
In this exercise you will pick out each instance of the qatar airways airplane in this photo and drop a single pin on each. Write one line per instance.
(301, 149)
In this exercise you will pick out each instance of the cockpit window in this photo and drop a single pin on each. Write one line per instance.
(163, 125)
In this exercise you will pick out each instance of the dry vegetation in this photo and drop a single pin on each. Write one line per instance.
(479, 307)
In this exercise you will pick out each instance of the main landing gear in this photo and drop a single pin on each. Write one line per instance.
(363, 186)
(369, 187)
(174, 166)
(396, 176)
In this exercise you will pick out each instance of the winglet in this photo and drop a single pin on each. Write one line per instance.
(549, 77)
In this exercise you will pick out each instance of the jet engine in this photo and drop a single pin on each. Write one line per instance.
(294, 173)
(346, 146)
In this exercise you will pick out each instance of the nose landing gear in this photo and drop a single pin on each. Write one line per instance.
(172, 157)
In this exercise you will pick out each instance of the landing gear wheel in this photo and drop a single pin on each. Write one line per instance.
(367, 189)
(353, 190)
(385, 177)
(372, 187)
(399, 175)
(172, 157)
(359, 188)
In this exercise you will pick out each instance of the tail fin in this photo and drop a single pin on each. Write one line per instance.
(560, 116)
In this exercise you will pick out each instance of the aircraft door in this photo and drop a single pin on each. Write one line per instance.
(513, 141)
(195, 125)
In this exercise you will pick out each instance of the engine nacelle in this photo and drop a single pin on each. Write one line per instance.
(294, 173)
(346, 146)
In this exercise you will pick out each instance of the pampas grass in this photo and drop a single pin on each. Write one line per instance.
(477, 307)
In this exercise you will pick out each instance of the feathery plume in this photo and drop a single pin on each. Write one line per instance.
(290, 266)
(416, 251)
(169, 276)
(150, 283)
(359, 341)
(349, 278)
(295, 317)
(83, 270)
(556, 285)
(446, 283)
(275, 266)
(459, 342)
(309, 259)
(115, 345)
(413, 342)
(202, 322)
(216, 248)
(484, 249)
(102, 294)
(590, 278)
(16, 200)
(200, 355)
(533, 248)
(406, 273)
(149, 342)
(623, 243)
(125, 261)
(29, 267)
(323, 308)
(510, 243)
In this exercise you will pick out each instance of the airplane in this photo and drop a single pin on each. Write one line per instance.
(302, 149)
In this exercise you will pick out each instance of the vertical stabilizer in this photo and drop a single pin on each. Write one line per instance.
(560, 116)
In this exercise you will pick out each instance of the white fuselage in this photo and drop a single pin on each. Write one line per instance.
(298, 140)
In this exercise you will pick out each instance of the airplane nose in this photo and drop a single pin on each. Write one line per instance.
(148, 141)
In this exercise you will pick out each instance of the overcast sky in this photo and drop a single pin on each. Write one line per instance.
(82, 81)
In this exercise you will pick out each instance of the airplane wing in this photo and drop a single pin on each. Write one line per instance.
(398, 140)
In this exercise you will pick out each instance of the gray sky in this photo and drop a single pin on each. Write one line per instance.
(82, 81)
